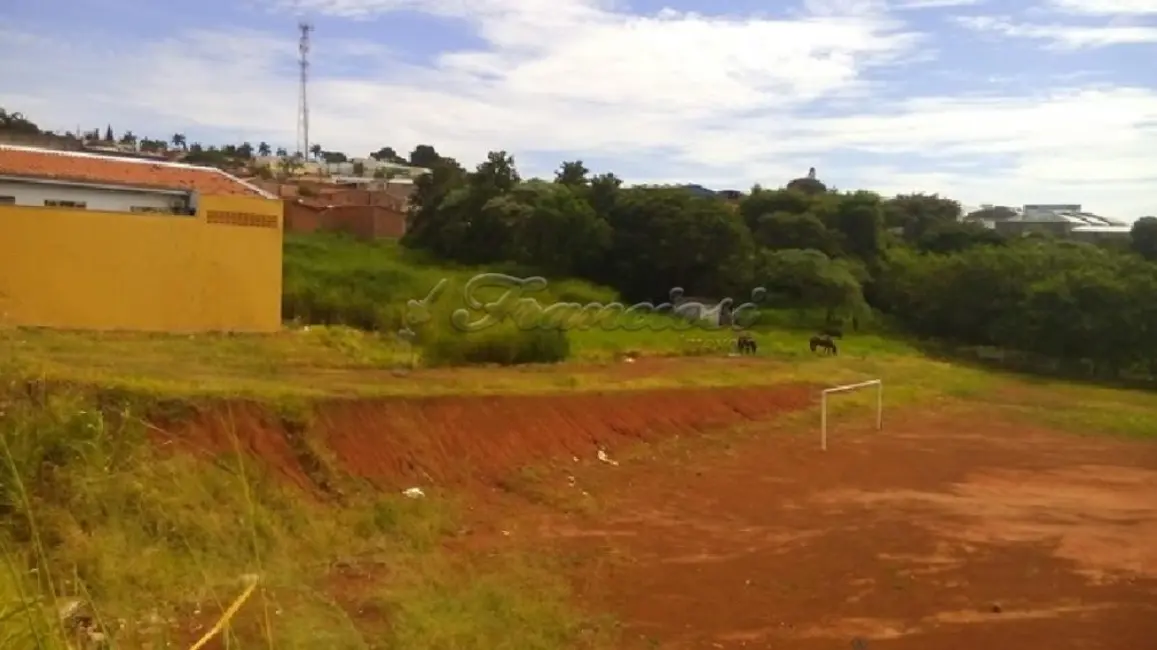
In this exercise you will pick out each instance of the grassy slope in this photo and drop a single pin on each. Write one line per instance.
(158, 543)
(325, 362)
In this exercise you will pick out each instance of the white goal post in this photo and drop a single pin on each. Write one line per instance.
(879, 384)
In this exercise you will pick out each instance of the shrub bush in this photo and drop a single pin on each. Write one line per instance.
(503, 344)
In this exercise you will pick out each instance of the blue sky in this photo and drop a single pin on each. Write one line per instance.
(1041, 101)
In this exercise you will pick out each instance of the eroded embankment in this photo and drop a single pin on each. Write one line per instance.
(455, 440)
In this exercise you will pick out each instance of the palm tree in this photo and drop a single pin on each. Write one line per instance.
(315, 150)
(263, 149)
(180, 141)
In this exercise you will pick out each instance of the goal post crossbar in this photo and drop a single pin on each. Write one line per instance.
(879, 384)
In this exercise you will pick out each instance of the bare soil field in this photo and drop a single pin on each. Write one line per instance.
(953, 529)
(957, 526)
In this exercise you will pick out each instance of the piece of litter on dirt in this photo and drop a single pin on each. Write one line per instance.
(414, 493)
(605, 458)
(506, 533)
(70, 608)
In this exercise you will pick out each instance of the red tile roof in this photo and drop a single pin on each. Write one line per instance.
(112, 170)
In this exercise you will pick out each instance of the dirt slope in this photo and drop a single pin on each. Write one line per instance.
(453, 441)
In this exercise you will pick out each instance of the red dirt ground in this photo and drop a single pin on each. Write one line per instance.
(471, 439)
(947, 530)
(938, 533)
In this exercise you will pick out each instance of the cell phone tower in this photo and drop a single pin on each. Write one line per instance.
(305, 29)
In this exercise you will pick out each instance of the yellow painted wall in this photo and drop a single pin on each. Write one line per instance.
(85, 269)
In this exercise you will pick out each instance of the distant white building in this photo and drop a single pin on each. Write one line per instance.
(1043, 210)
(1063, 220)
(369, 168)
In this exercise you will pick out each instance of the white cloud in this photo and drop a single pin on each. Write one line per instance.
(1107, 7)
(1064, 36)
(720, 101)
(934, 4)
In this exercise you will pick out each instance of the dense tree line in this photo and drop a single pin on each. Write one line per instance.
(909, 259)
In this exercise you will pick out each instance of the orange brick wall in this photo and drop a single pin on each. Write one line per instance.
(365, 221)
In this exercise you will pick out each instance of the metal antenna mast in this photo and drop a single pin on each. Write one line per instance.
(305, 29)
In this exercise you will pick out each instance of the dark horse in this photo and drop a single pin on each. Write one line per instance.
(823, 342)
(745, 343)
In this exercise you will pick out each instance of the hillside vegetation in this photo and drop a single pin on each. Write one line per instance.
(852, 260)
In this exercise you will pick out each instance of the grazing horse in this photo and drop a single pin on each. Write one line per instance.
(745, 344)
(823, 342)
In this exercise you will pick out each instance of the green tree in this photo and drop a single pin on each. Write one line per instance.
(1143, 238)
(761, 203)
(857, 218)
(783, 230)
(810, 279)
(424, 155)
(954, 236)
(387, 154)
(915, 213)
(668, 237)
(554, 229)
(496, 175)
(603, 193)
(429, 226)
(572, 173)
(16, 122)
(455, 215)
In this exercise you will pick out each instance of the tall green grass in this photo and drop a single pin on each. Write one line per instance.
(380, 286)
(154, 543)
(335, 279)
